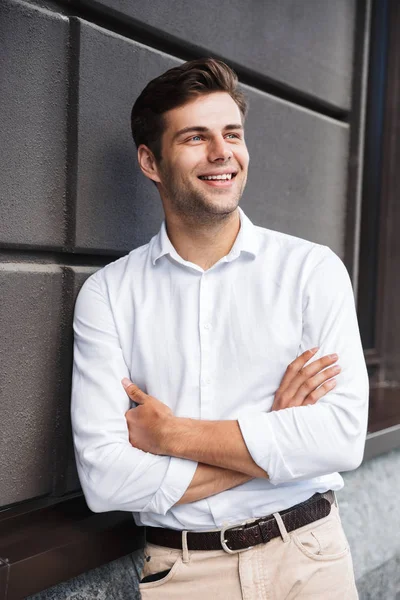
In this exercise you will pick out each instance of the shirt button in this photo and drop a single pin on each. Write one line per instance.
(205, 380)
(207, 326)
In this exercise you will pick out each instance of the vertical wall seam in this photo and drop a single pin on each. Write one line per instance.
(355, 168)
(64, 366)
(72, 132)
(64, 358)
(361, 144)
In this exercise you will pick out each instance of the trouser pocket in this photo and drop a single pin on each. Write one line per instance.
(160, 566)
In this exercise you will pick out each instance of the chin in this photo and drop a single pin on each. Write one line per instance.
(221, 208)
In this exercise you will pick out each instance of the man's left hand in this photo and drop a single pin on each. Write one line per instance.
(147, 422)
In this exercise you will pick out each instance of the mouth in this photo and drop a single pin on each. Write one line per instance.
(219, 179)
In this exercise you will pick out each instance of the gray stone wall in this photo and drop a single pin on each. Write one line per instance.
(72, 197)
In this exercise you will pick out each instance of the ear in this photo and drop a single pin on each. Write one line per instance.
(148, 163)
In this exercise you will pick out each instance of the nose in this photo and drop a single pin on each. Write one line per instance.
(219, 150)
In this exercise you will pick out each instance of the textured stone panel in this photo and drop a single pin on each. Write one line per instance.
(117, 207)
(305, 44)
(30, 316)
(33, 100)
(298, 169)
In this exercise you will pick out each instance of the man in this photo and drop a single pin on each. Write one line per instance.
(222, 334)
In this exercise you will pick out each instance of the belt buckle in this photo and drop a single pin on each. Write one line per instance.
(224, 541)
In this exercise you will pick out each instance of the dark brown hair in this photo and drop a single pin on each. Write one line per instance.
(174, 88)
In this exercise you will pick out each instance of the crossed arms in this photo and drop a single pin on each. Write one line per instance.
(198, 458)
(218, 446)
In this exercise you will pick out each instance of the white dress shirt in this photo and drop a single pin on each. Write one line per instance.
(214, 345)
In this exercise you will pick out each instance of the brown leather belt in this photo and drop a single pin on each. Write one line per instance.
(235, 538)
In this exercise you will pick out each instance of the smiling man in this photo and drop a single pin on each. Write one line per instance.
(207, 398)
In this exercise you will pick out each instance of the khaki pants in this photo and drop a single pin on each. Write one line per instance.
(313, 562)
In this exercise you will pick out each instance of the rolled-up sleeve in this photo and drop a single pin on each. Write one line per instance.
(114, 475)
(310, 441)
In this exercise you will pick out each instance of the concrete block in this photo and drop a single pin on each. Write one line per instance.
(36, 451)
(30, 333)
(307, 45)
(298, 171)
(117, 208)
(33, 101)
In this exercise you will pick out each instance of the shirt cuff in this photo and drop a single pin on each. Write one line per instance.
(261, 442)
(175, 483)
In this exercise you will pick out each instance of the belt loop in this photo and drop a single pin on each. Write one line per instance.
(185, 550)
(282, 528)
(335, 500)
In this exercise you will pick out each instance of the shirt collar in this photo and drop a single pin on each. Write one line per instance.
(246, 241)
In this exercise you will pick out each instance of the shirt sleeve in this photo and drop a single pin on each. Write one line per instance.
(310, 441)
(114, 475)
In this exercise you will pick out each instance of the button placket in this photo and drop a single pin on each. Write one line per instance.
(205, 328)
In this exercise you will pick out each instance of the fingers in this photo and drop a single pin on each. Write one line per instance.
(294, 367)
(318, 365)
(309, 377)
(302, 384)
(308, 389)
(133, 391)
(314, 396)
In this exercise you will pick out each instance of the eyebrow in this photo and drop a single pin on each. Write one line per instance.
(200, 129)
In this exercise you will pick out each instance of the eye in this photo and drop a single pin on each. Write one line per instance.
(195, 138)
(233, 136)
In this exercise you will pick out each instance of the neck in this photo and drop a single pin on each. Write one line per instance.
(206, 244)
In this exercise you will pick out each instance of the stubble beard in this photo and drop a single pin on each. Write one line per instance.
(196, 207)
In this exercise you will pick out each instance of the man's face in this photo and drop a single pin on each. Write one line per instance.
(203, 170)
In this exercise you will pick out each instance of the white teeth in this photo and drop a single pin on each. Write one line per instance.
(227, 176)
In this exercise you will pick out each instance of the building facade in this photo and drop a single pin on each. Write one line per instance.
(321, 78)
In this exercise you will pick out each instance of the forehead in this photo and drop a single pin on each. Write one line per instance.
(213, 110)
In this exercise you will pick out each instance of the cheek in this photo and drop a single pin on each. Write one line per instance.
(244, 159)
(180, 161)
(185, 166)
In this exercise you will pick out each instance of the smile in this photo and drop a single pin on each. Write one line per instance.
(222, 177)
(219, 180)
(225, 181)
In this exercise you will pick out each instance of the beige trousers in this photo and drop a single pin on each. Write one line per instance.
(313, 562)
